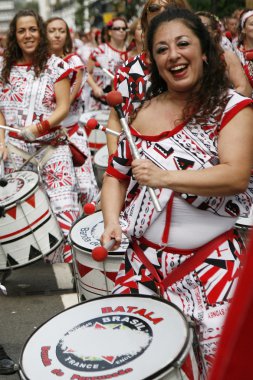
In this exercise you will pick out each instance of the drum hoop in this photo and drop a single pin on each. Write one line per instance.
(31, 191)
(81, 247)
(161, 371)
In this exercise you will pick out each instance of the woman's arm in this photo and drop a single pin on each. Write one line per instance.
(112, 200)
(236, 74)
(3, 149)
(62, 95)
(114, 124)
(98, 91)
(229, 177)
(77, 85)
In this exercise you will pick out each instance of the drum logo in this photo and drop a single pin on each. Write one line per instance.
(104, 343)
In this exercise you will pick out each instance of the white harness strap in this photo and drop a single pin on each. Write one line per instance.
(35, 87)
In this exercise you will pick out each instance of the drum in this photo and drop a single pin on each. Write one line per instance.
(96, 138)
(244, 225)
(28, 228)
(100, 164)
(92, 279)
(120, 336)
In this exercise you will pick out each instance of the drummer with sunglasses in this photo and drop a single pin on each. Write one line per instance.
(131, 82)
(109, 55)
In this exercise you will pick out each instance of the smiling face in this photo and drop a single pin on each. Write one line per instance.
(178, 56)
(248, 28)
(57, 35)
(27, 36)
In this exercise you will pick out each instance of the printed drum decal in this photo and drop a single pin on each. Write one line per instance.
(128, 337)
(28, 228)
(84, 236)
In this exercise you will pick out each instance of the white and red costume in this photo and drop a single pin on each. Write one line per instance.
(247, 64)
(108, 58)
(132, 81)
(190, 227)
(57, 171)
(85, 175)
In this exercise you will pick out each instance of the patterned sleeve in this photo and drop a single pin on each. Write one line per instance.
(234, 105)
(59, 69)
(120, 166)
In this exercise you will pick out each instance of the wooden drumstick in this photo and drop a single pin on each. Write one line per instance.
(94, 124)
(100, 254)
(114, 99)
(97, 64)
(9, 128)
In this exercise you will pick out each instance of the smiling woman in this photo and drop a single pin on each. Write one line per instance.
(189, 253)
(35, 97)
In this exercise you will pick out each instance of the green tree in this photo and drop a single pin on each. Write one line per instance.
(219, 7)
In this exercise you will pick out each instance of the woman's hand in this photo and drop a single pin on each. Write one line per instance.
(98, 92)
(30, 132)
(148, 174)
(112, 231)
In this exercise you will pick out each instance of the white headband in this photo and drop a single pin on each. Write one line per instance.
(245, 17)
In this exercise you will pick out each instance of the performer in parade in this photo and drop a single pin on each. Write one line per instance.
(35, 97)
(244, 45)
(109, 55)
(60, 44)
(189, 253)
(132, 78)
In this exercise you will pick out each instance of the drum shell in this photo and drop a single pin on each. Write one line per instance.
(163, 357)
(100, 164)
(29, 229)
(96, 138)
(93, 277)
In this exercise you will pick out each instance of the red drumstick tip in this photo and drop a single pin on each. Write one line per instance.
(99, 254)
(114, 98)
(89, 208)
(92, 124)
(97, 64)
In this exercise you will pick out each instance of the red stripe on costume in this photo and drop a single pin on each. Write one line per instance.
(229, 115)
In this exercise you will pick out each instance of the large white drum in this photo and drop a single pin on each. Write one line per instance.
(244, 221)
(92, 280)
(96, 138)
(100, 164)
(28, 227)
(125, 337)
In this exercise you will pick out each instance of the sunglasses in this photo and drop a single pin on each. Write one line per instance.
(119, 28)
(153, 8)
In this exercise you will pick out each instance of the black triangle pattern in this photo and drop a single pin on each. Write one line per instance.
(34, 252)
(52, 240)
(10, 261)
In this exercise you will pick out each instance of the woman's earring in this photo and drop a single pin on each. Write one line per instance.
(205, 60)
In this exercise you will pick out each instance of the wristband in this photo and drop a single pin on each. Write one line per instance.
(43, 127)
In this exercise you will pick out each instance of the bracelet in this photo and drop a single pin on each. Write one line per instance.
(43, 127)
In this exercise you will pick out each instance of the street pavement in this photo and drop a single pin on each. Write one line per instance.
(35, 294)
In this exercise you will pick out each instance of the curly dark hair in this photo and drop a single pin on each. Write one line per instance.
(214, 83)
(68, 46)
(13, 53)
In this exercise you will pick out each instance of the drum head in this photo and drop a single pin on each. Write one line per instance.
(101, 157)
(140, 337)
(20, 185)
(85, 234)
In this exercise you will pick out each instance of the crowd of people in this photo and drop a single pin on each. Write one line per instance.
(186, 82)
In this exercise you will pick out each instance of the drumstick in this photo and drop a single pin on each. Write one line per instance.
(114, 99)
(97, 64)
(100, 254)
(93, 124)
(90, 208)
(9, 128)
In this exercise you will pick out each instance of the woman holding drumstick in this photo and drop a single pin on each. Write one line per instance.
(60, 44)
(35, 97)
(189, 253)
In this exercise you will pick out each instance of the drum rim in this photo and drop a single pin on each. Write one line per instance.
(162, 371)
(74, 244)
(9, 205)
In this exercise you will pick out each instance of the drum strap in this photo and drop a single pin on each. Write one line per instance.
(189, 265)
